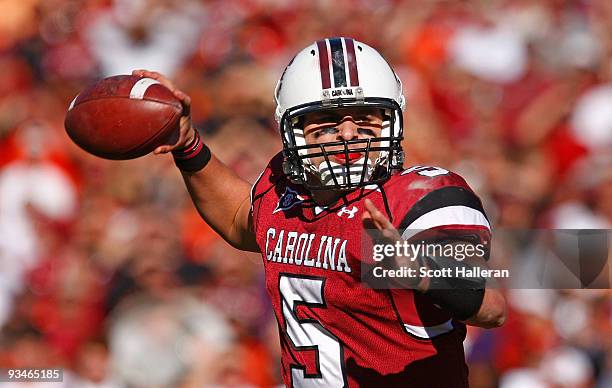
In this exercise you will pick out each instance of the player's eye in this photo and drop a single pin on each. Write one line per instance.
(326, 131)
(367, 132)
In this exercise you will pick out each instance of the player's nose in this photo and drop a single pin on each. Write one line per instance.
(347, 129)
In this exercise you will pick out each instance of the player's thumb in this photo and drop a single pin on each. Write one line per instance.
(161, 150)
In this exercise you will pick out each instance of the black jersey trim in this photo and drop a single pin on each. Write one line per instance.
(443, 197)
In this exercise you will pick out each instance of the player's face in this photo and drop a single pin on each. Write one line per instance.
(342, 124)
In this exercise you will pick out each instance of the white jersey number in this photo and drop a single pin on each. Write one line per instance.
(310, 334)
(426, 171)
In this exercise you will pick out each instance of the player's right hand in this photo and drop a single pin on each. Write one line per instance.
(187, 132)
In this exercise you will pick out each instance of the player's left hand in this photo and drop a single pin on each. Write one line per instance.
(375, 219)
(379, 227)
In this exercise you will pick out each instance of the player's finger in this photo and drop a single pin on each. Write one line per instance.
(180, 143)
(377, 216)
(180, 95)
(391, 234)
(148, 74)
(370, 222)
(381, 221)
(185, 101)
(369, 219)
(161, 150)
(156, 76)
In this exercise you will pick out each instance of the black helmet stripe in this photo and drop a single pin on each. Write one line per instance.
(337, 58)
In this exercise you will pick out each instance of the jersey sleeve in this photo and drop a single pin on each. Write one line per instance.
(266, 181)
(435, 204)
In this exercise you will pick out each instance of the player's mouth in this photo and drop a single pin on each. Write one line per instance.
(352, 157)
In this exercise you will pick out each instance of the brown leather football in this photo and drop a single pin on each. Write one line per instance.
(123, 117)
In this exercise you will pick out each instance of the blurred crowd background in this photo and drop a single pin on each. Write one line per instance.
(106, 269)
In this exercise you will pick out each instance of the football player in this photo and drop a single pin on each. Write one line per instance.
(339, 107)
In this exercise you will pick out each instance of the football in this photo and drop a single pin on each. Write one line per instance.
(123, 117)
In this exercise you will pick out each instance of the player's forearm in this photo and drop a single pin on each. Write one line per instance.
(223, 200)
(465, 298)
(492, 312)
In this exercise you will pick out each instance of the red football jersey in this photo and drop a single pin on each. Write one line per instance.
(334, 330)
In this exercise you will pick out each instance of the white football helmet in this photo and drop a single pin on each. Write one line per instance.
(338, 73)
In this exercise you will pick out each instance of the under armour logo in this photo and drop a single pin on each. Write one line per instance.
(351, 212)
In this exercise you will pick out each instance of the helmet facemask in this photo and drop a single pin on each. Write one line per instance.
(331, 173)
